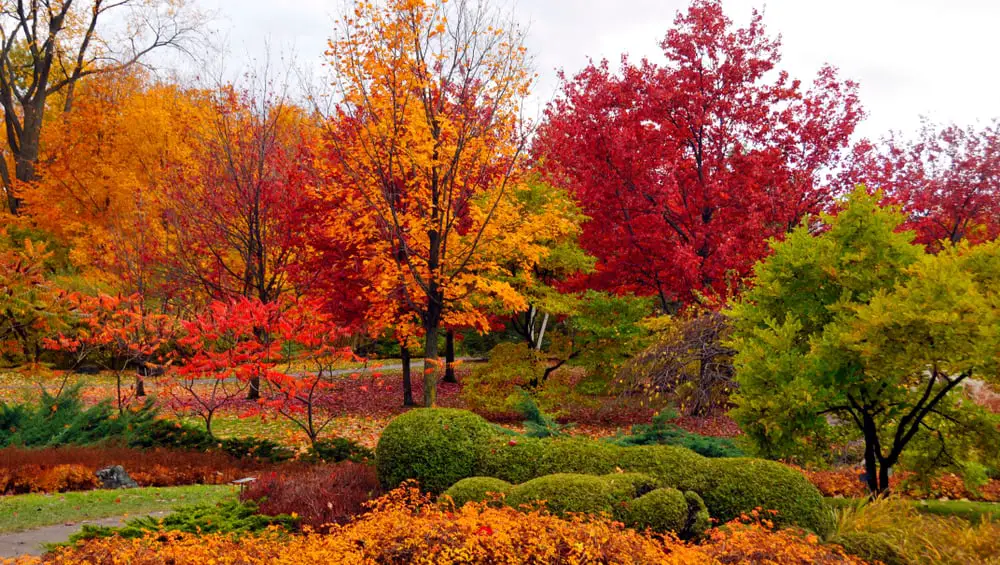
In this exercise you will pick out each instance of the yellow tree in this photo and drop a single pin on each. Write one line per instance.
(48, 46)
(425, 149)
(102, 171)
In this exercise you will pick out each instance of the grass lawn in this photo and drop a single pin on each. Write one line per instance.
(28, 511)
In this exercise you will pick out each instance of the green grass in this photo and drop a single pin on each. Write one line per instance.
(974, 512)
(29, 511)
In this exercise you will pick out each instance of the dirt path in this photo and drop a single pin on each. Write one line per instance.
(31, 542)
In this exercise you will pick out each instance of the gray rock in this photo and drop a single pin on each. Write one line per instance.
(115, 477)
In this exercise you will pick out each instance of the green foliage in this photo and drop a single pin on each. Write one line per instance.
(662, 432)
(699, 519)
(565, 492)
(476, 489)
(64, 420)
(739, 485)
(856, 322)
(338, 449)
(260, 449)
(173, 435)
(536, 422)
(626, 486)
(226, 517)
(872, 547)
(604, 333)
(661, 510)
(436, 446)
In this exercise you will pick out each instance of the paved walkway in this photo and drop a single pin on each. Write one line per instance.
(32, 542)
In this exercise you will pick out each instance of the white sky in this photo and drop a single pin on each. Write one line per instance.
(937, 58)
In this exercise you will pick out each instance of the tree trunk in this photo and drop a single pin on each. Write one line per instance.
(407, 383)
(871, 459)
(140, 386)
(254, 392)
(449, 357)
(431, 364)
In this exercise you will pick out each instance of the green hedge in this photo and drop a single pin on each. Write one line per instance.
(662, 510)
(477, 489)
(438, 447)
(564, 493)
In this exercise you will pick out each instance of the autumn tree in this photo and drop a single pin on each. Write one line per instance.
(32, 307)
(101, 178)
(424, 147)
(47, 48)
(686, 168)
(227, 346)
(852, 331)
(118, 333)
(946, 178)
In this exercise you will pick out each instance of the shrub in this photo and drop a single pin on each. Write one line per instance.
(256, 448)
(662, 510)
(225, 517)
(565, 492)
(171, 434)
(64, 420)
(699, 519)
(436, 446)
(320, 495)
(759, 542)
(476, 489)
(338, 449)
(872, 547)
(739, 485)
(626, 486)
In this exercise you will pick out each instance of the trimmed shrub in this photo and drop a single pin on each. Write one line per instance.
(739, 485)
(662, 432)
(627, 486)
(436, 446)
(699, 519)
(565, 492)
(661, 510)
(872, 547)
(476, 489)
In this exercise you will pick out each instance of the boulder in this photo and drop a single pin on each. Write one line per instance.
(115, 477)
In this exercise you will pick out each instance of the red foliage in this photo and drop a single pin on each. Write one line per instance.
(686, 169)
(321, 496)
(846, 483)
(72, 468)
(947, 179)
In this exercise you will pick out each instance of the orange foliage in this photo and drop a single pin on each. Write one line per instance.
(845, 483)
(405, 527)
(102, 167)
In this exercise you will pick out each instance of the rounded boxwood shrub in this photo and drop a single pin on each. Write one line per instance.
(476, 489)
(699, 519)
(739, 485)
(672, 466)
(872, 547)
(662, 510)
(565, 492)
(435, 446)
(627, 486)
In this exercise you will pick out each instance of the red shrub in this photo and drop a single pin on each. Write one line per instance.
(72, 468)
(319, 495)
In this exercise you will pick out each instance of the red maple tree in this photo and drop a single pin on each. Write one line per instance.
(947, 180)
(687, 169)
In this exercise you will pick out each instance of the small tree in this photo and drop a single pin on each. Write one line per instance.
(118, 333)
(852, 331)
(230, 344)
(306, 396)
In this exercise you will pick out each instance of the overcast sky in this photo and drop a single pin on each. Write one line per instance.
(912, 57)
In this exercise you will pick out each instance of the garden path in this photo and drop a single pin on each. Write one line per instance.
(32, 542)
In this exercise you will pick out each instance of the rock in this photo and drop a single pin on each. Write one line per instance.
(115, 477)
